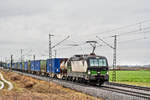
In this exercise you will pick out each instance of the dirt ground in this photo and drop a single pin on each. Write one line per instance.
(27, 88)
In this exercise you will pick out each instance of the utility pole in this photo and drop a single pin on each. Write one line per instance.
(50, 53)
(34, 57)
(34, 60)
(50, 58)
(11, 61)
(21, 58)
(114, 59)
(21, 54)
(55, 53)
(114, 55)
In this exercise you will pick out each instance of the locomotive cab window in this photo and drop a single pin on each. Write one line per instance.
(97, 62)
(69, 63)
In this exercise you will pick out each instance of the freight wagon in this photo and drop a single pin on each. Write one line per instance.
(8, 65)
(54, 65)
(25, 68)
(49, 67)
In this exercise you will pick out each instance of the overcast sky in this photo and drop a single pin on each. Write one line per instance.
(25, 24)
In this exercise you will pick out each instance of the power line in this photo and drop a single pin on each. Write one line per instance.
(60, 42)
(139, 23)
(126, 41)
(105, 42)
(130, 32)
(134, 39)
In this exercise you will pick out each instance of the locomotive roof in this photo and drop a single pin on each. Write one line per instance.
(85, 56)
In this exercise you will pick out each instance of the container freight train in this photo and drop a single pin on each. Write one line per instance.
(83, 68)
(49, 67)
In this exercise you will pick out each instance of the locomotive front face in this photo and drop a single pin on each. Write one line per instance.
(97, 68)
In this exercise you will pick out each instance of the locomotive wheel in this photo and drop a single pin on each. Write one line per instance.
(100, 82)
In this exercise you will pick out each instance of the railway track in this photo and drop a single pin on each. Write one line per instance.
(128, 86)
(108, 91)
(138, 91)
(139, 94)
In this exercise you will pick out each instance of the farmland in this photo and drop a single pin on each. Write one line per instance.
(28, 88)
(141, 77)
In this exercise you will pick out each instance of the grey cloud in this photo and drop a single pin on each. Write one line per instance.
(26, 24)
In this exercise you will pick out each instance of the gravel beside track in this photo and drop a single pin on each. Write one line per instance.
(108, 93)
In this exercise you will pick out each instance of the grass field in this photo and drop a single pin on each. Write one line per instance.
(141, 77)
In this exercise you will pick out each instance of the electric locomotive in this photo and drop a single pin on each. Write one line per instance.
(87, 68)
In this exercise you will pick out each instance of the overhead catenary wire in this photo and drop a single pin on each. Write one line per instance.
(136, 39)
(137, 31)
(134, 31)
(127, 26)
(71, 46)
(140, 29)
(130, 40)
(60, 42)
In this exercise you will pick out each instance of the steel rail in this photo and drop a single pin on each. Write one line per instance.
(128, 86)
(127, 92)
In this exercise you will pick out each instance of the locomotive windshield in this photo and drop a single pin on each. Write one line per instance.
(93, 62)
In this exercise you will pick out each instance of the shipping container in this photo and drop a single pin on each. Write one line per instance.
(29, 66)
(16, 66)
(5, 65)
(2, 64)
(43, 66)
(48, 65)
(35, 65)
(8, 65)
(20, 66)
(13, 65)
(55, 62)
(25, 66)
(32, 65)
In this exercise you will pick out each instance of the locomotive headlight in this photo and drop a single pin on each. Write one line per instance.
(107, 72)
(89, 72)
